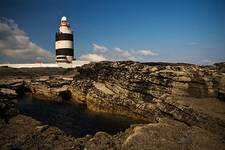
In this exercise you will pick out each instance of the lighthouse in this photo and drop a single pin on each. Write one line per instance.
(64, 42)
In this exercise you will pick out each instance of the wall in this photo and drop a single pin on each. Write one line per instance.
(74, 64)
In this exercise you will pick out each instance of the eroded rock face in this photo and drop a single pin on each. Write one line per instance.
(7, 103)
(150, 91)
(55, 89)
(148, 81)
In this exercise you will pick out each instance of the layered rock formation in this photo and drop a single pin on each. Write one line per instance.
(182, 103)
(152, 91)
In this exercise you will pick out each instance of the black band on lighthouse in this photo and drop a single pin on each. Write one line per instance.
(63, 36)
(64, 51)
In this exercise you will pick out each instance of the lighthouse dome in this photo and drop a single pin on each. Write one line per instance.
(63, 18)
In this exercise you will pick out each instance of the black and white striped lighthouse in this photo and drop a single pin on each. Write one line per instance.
(64, 43)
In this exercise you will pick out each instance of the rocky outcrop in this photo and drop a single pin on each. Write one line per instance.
(170, 135)
(7, 109)
(153, 80)
(55, 89)
(181, 102)
(7, 103)
(150, 91)
(26, 133)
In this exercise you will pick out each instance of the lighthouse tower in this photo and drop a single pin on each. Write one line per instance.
(64, 43)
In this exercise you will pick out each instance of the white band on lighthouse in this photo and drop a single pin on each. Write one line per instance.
(63, 44)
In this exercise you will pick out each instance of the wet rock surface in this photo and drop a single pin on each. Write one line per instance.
(183, 103)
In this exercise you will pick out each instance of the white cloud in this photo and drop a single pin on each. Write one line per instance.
(16, 46)
(136, 55)
(93, 57)
(102, 53)
(123, 54)
(98, 53)
(98, 49)
(145, 53)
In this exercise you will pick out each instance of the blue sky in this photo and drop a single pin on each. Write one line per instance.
(176, 30)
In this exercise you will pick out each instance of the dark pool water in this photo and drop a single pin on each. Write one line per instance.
(73, 119)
